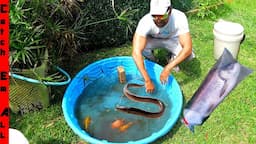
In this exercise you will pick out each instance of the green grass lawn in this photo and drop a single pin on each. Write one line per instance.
(234, 120)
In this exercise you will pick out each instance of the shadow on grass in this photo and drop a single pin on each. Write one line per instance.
(191, 69)
(57, 141)
(171, 133)
(52, 141)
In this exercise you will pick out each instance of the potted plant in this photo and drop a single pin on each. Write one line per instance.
(26, 59)
(29, 58)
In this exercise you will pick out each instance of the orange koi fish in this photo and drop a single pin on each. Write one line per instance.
(87, 122)
(117, 123)
(123, 128)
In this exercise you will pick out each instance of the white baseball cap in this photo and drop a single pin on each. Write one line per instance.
(159, 7)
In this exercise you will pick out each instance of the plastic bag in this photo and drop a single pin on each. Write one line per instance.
(221, 79)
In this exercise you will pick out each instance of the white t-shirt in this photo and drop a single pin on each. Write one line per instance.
(177, 24)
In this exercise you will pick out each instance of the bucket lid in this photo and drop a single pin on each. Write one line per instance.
(229, 28)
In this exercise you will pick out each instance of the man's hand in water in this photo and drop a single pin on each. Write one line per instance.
(149, 85)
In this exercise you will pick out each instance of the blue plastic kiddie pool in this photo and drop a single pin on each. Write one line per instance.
(107, 68)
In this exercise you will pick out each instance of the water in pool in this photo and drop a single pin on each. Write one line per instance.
(98, 102)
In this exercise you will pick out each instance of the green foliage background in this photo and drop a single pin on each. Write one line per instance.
(114, 33)
(64, 26)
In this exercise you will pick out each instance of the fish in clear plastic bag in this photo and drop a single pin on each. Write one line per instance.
(220, 80)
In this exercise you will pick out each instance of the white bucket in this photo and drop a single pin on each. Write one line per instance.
(227, 35)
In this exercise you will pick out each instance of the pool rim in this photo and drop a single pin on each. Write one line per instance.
(85, 136)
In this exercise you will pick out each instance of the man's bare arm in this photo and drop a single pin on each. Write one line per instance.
(139, 43)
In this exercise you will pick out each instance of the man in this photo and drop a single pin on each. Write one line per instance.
(162, 27)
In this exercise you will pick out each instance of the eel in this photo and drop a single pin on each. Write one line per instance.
(134, 97)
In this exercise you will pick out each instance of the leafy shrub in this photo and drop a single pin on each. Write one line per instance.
(115, 32)
(26, 35)
(124, 15)
(206, 7)
(39, 25)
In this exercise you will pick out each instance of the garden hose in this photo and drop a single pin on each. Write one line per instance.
(44, 82)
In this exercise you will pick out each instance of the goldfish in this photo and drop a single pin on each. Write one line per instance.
(123, 128)
(87, 122)
(117, 123)
(121, 125)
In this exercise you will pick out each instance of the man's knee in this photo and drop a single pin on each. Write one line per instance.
(148, 54)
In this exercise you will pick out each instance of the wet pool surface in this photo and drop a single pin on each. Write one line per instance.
(98, 101)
